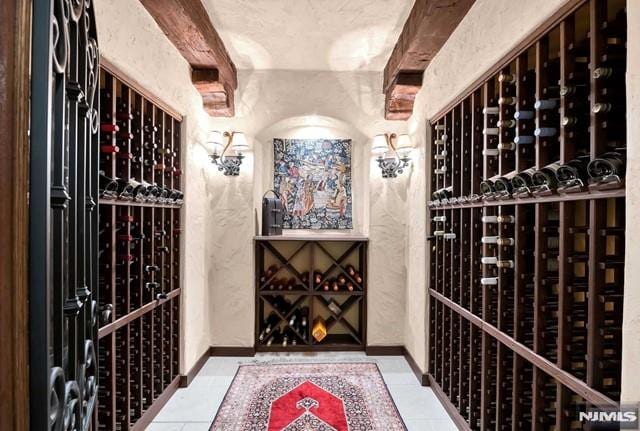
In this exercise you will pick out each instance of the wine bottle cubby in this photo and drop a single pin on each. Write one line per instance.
(310, 294)
(140, 228)
(526, 237)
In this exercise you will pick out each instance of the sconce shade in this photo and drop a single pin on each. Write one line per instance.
(215, 141)
(239, 142)
(380, 144)
(404, 145)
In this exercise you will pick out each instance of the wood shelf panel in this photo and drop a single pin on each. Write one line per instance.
(540, 335)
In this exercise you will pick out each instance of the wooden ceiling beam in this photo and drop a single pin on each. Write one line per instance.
(428, 27)
(401, 95)
(187, 25)
(217, 97)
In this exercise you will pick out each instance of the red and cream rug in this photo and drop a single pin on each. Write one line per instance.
(308, 397)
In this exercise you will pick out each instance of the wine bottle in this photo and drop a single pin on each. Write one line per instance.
(443, 193)
(524, 115)
(358, 278)
(572, 90)
(507, 100)
(109, 149)
(489, 260)
(503, 186)
(505, 264)
(507, 78)
(524, 140)
(270, 323)
(574, 172)
(108, 187)
(611, 164)
(491, 131)
(489, 281)
(546, 177)
(491, 110)
(602, 73)
(544, 132)
(487, 188)
(523, 180)
(291, 283)
(304, 316)
(545, 104)
(506, 146)
(295, 317)
(439, 219)
(508, 124)
(109, 128)
(275, 336)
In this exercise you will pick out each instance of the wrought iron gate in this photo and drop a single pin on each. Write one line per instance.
(63, 215)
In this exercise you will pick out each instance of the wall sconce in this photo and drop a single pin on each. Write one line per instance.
(229, 164)
(393, 153)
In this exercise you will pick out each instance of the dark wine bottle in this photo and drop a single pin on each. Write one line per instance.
(487, 188)
(269, 324)
(503, 186)
(608, 165)
(108, 187)
(573, 172)
(523, 180)
(545, 178)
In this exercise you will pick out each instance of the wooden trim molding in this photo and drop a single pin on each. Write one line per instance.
(422, 377)
(384, 350)
(232, 351)
(15, 50)
(185, 380)
(455, 416)
(157, 405)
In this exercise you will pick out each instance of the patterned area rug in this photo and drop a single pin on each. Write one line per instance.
(308, 397)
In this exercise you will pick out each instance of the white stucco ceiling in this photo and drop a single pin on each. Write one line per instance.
(336, 35)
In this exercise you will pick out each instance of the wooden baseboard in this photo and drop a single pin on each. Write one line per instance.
(232, 351)
(422, 377)
(384, 350)
(455, 416)
(157, 405)
(185, 380)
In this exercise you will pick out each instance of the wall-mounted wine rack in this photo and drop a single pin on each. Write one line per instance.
(300, 281)
(140, 227)
(527, 223)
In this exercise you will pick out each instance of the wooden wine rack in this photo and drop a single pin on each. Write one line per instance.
(290, 258)
(140, 284)
(544, 341)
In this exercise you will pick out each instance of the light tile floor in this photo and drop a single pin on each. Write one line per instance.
(193, 408)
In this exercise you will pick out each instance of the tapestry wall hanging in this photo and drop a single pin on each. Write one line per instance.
(313, 178)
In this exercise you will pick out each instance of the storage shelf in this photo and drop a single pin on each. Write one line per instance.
(525, 293)
(316, 237)
(140, 281)
(322, 258)
(116, 202)
(568, 197)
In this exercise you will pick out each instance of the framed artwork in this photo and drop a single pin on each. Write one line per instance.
(313, 178)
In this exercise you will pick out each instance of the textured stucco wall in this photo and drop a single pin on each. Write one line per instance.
(305, 104)
(631, 324)
(486, 34)
(130, 39)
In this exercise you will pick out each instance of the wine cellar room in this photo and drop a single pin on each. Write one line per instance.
(234, 215)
